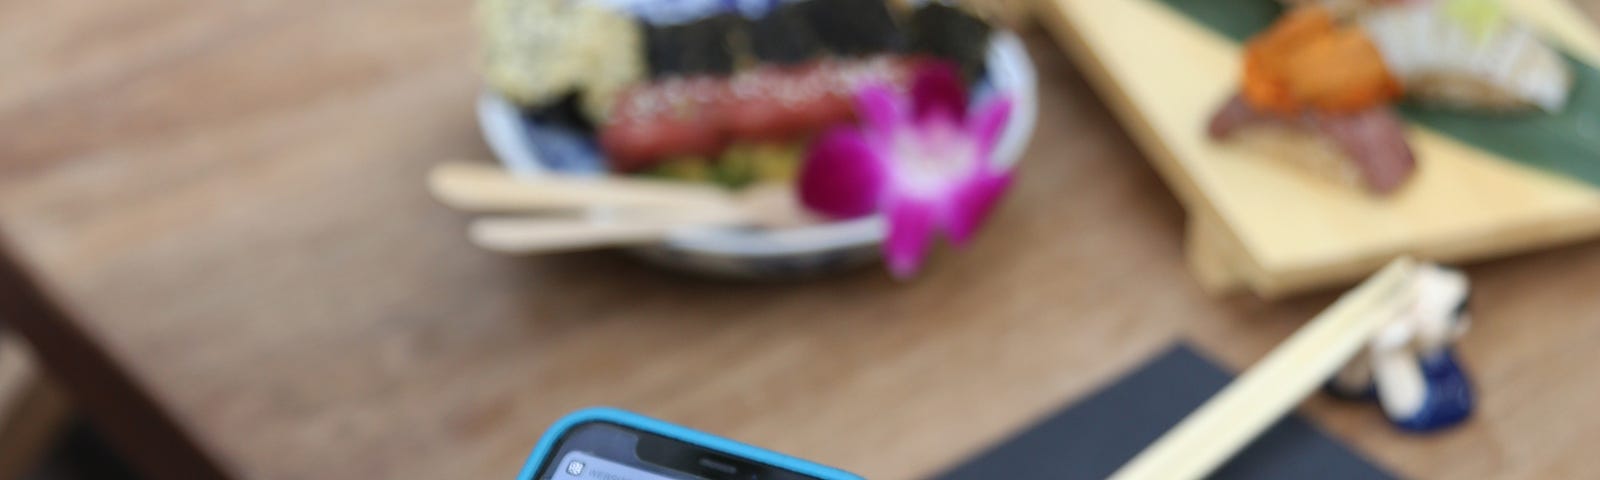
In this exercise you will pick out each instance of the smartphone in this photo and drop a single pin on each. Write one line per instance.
(612, 444)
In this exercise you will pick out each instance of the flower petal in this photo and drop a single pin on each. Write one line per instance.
(880, 109)
(910, 233)
(969, 204)
(842, 176)
(937, 91)
(989, 122)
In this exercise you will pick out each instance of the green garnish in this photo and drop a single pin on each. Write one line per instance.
(1481, 18)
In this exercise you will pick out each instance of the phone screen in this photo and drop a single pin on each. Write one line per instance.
(605, 451)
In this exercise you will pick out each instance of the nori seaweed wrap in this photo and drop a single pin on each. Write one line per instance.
(852, 28)
(568, 110)
(699, 47)
(783, 37)
(951, 33)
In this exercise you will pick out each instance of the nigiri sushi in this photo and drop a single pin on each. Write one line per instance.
(1362, 149)
(1466, 53)
(1316, 92)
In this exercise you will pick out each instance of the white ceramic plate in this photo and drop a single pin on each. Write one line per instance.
(530, 149)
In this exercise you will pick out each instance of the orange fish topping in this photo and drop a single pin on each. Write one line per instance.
(1308, 60)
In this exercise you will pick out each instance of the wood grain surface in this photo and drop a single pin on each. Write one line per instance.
(32, 410)
(223, 205)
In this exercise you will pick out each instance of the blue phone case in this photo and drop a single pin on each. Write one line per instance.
(547, 443)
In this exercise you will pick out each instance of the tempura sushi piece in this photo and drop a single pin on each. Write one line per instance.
(1467, 54)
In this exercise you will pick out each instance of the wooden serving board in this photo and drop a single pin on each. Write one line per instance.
(1259, 224)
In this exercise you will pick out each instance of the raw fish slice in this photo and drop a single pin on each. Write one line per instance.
(1366, 148)
(1461, 62)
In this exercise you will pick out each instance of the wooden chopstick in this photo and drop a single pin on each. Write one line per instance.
(1280, 381)
(483, 188)
(542, 235)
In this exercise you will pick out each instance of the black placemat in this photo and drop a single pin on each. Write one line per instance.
(1097, 435)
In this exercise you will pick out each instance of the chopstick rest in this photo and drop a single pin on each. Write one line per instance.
(1410, 367)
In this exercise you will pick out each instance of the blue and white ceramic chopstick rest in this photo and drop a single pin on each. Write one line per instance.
(1410, 366)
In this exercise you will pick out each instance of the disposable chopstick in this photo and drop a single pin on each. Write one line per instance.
(474, 187)
(540, 235)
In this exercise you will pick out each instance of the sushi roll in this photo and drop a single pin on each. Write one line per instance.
(784, 37)
(853, 28)
(701, 47)
(1466, 54)
(950, 33)
(537, 52)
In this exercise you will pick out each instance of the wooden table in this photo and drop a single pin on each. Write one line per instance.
(237, 272)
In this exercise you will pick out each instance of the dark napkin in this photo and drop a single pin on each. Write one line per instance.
(1097, 435)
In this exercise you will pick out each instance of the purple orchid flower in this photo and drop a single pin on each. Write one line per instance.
(925, 161)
